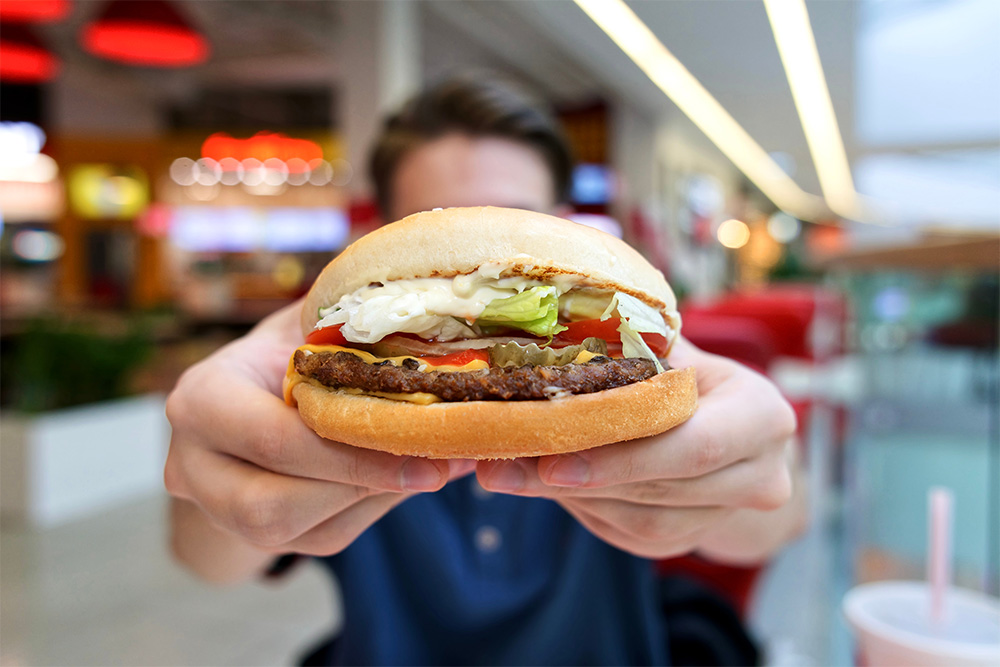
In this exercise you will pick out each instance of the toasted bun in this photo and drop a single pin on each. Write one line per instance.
(501, 429)
(456, 241)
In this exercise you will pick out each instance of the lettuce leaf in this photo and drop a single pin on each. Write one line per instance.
(534, 310)
(636, 318)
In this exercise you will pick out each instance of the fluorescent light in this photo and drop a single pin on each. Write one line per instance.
(634, 38)
(797, 47)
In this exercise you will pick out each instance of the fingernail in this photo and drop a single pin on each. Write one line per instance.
(505, 477)
(420, 475)
(569, 470)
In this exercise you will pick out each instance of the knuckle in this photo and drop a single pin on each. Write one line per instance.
(174, 408)
(630, 467)
(354, 472)
(370, 471)
(362, 492)
(258, 515)
(272, 448)
(652, 525)
(654, 492)
(173, 476)
(774, 492)
(785, 422)
(186, 393)
(708, 454)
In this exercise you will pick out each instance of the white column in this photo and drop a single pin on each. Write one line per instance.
(380, 68)
(633, 157)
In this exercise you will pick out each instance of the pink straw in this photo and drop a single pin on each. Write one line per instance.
(939, 505)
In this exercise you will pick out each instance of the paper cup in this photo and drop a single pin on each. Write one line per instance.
(893, 626)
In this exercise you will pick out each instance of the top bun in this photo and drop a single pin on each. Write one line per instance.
(457, 241)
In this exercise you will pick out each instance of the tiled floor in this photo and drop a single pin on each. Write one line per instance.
(103, 591)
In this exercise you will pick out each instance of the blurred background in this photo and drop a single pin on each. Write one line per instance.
(171, 171)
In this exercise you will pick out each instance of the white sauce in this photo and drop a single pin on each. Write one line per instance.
(440, 308)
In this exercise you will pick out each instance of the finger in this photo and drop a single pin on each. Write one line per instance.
(269, 433)
(616, 536)
(458, 468)
(653, 532)
(266, 508)
(338, 532)
(763, 484)
(734, 423)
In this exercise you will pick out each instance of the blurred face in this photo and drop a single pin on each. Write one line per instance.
(458, 170)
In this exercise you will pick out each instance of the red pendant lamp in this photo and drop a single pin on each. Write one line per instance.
(34, 11)
(150, 33)
(23, 58)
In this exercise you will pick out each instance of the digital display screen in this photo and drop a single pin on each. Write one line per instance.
(247, 229)
(592, 184)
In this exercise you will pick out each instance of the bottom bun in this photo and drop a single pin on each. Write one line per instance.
(500, 429)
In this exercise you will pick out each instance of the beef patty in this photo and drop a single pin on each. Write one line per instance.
(523, 383)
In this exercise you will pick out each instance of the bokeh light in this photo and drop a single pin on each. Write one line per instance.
(783, 227)
(35, 245)
(733, 234)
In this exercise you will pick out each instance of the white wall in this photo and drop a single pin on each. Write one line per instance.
(379, 50)
(67, 464)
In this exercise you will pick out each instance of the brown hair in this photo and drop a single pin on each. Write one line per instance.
(479, 107)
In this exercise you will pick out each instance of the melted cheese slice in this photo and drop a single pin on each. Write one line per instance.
(292, 377)
(368, 358)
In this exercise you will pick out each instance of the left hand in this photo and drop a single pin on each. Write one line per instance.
(689, 488)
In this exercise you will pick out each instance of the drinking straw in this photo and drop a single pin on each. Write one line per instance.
(939, 502)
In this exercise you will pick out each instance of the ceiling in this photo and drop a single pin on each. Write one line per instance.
(726, 44)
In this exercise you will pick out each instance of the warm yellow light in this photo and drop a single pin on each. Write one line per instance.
(288, 273)
(733, 234)
(634, 38)
(797, 47)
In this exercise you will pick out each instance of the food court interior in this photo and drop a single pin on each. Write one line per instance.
(831, 222)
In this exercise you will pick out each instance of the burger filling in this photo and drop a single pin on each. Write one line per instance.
(482, 337)
(512, 383)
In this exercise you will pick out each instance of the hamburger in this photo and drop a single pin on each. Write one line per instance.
(487, 333)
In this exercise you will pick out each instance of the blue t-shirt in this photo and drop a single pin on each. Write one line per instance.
(465, 577)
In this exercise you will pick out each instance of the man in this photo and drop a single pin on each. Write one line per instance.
(542, 561)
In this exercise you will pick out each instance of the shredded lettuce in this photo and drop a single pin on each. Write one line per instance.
(534, 310)
(636, 318)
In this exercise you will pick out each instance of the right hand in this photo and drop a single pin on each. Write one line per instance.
(251, 465)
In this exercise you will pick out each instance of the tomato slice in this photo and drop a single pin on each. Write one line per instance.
(576, 332)
(327, 336)
(656, 342)
(457, 358)
(606, 330)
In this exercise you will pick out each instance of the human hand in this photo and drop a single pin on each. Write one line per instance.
(251, 465)
(689, 488)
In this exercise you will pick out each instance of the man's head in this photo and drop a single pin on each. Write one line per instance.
(470, 142)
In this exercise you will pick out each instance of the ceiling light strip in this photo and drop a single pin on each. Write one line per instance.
(800, 57)
(628, 31)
